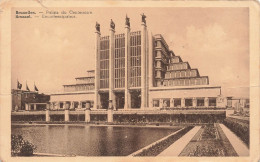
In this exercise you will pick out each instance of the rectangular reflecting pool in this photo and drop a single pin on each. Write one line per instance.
(85, 140)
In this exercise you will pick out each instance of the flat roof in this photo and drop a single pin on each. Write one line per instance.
(75, 92)
(183, 87)
(78, 84)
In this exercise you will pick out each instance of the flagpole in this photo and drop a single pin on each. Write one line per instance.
(17, 84)
(35, 88)
(17, 87)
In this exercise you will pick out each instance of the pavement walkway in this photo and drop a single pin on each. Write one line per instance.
(176, 148)
(240, 148)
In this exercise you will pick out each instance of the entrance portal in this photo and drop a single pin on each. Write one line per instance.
(120, 100)
(104, 99)
(136, 99)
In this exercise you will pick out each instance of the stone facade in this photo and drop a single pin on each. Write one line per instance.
(138, 70)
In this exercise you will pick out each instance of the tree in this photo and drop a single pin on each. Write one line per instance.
(21, 147)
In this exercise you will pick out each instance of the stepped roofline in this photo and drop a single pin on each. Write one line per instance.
(186, 70)
(186, 78)
(178, 57)
(159, 36)
(181, 63)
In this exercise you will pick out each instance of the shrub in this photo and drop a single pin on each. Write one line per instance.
(239, 128)
(157, 148)
(21, 147)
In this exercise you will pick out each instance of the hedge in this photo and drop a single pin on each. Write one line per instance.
(162, 145)
(239, 128)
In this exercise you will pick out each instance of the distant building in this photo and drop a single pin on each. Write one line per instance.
(28, 100)
(138, 70)
(241, 105)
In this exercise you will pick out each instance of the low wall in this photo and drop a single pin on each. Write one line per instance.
(157, 147)
(133, 117)
(38, 117)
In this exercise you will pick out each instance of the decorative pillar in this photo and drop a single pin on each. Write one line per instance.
(172, 103)
(111, 62)
(66, 115)
(64, 105)
(194, 102)
(48, 105)
(206, 104)
(71, 105)
(221, 102)
(110, 115)
(87, 115)
(150, 65)
(51, 106)
(79, 106)
(160, 103)
(58, 105)
(47, 115)
(127, 63)
(34, 107)
(143, 63)
(26, 106)
(182, 102)
(68, 104)
(97, 67)
(147, 68)
(87, 112)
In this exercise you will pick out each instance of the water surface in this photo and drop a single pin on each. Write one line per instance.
(87, 140)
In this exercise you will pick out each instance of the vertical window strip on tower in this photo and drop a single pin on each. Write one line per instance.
(135, 57)
(104, 62)
(119, 61)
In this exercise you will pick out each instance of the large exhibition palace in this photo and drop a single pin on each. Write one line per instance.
(137, 70)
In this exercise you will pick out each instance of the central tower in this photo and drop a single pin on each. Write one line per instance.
(122, 68)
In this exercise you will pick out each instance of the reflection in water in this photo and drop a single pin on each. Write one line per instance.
(47, 138)
(90, 140)
(66, 140)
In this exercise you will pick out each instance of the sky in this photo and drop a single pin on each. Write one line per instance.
(52, 52)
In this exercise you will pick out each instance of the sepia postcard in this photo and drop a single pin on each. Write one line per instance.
(129, 81)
